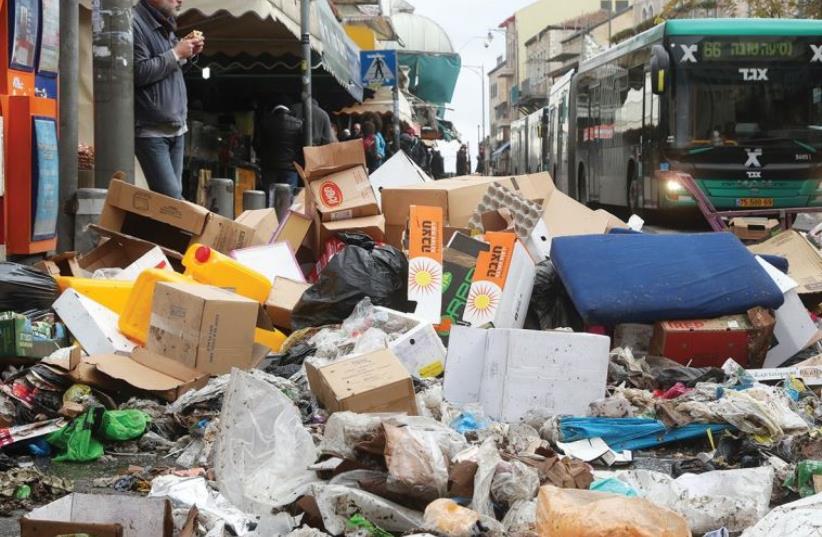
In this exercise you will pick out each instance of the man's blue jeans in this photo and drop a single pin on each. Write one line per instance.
(162, 163)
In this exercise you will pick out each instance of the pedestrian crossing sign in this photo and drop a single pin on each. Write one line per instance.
(379, 68)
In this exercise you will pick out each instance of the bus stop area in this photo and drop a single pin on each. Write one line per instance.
(393, 355)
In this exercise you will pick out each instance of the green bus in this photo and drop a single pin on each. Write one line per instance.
(734, 103)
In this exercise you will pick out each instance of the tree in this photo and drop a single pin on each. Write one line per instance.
(773, 9)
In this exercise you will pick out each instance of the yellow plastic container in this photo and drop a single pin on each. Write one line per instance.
(136, 316)
(210, 267)
(112, 294)
(273, 339)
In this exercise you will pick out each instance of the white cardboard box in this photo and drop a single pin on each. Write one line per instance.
(397, 171)
(272, 261)
(510, 371)
(92, 324)
(420, 349)
(794, 328)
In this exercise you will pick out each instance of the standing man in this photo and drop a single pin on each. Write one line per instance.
(321, 133)
(160, 99)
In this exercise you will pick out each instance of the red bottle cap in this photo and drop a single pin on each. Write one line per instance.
(202, 254)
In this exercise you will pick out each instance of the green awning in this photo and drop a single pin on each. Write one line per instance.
(433, 77)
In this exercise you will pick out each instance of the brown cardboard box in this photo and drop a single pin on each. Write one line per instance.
(168, 222)
(344, 195)
(750, 228)
(804, 260)
(373, 226)
(284, 296)
(293, 230)
(119, 251)
(175, 257)
(564, 216)
(144, 371)
(264, 223)
(458, 197)
(100, 515)
(205, 328)
(321, 161)
(64, 264)
(372, 382)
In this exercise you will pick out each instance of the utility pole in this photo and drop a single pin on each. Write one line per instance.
(610, 11)
(69, 75)
(308, 110)
(113, 56)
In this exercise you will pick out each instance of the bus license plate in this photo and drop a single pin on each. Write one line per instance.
(754, 203)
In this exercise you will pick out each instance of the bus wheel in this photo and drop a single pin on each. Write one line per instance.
(635, 197)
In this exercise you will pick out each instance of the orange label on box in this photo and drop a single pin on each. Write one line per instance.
(331, 194)
(489, 279)
(425, 235)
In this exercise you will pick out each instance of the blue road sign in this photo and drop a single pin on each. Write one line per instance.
(379, 68)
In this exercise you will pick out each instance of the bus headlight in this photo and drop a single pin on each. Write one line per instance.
(674, 187)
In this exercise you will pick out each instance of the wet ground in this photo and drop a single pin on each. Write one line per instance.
(83, 476)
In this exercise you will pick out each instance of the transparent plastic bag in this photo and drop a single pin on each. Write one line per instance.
(514, 481)
(521, 519)
(263, 451)
(452, 520)
(487, 460)
(416, 463)
(345, 429)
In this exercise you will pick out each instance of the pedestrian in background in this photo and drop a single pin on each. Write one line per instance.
(160, 98)
(321, 133)
(463, 161)
(280, 144)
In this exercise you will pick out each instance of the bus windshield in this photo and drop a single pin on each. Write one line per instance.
(745, 101)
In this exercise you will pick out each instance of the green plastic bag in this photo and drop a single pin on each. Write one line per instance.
(802, 479)
(362, 523)
(81, 440)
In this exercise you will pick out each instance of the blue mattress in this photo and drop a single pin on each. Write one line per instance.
(639, 278)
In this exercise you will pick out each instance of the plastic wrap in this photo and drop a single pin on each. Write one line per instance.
(735, 499)
(550, 305)
(576, 513)
(416, 463)
(514, 481)
(263, 451)
(345, 429)
(487, 460)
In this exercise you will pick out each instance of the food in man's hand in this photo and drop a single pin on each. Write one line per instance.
(195, 34)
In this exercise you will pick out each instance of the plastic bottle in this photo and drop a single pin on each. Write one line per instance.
(210, 267)
(136, 315)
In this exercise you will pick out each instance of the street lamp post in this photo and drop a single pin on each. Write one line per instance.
(305, 40)
(481, 74)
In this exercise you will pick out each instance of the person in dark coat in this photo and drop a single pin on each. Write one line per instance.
(280, 145)
(437, 164)
(463, 161)
(321, 132)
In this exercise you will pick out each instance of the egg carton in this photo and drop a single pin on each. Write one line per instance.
(526, 213)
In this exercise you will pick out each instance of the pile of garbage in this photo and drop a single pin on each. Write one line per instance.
(397, 356)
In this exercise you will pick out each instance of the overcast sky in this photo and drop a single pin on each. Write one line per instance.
(465, 20)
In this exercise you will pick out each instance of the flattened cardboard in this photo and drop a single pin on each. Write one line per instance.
(372, 382)
(264, 223)
(203, 327)
(804, 260)
(283, 298)
(425, 245)
(344, 195)
(293, 230)
(321, 161)
(398, 171)
(458, 197)
(145, 371)
(564, 216)
(91, 323)
(510, 372)
(271, 260)
(750, 228)
(100, 515)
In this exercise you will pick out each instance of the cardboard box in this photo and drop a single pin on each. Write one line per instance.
(264, 223)
(372, 382)
(127, 253)
(510, 372)
(271, 260)
(169, 222)
(804, 260)
(502, 284)
(398, 171)
(293, 230)
(344, 195)
(144, 371)
(749, 228)
(19, 339)
(323, 160)
(373, 226)
(458, 197)
(710, 342)
(93, 325)
(794, 330)
(100, 515)
(425, 236)
(459, 264)
(64, 264)
(564, 216)
(203, 327)
(284, 296)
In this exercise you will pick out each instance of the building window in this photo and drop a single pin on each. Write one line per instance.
(493, 90)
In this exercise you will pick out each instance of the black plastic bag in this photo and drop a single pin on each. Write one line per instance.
(26, 290)
(362, 269)
(550, 306)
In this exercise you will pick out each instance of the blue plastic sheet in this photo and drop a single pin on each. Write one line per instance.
(640, 278)
(631, 433)
(614, 486)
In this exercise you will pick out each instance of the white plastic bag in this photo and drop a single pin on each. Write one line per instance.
(262, 454)
(487, 460)
(345, 429)
(735, 499)
(521, 519)
(802, 518)
(514, 481)
(417, 465)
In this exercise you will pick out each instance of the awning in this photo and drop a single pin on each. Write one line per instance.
(368, 14)
(498, 152)
(433, 77)
(255, 27)
(382, 103)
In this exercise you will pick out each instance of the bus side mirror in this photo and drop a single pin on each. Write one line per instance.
(660, 69)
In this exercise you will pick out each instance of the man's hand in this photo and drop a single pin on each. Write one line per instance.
(199, 45)
(185, 49)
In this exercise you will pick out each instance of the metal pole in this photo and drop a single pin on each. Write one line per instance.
(69, 67)
(308, 109)
(484, 132)
(610, 10)
(396, 92)
(113, 51)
